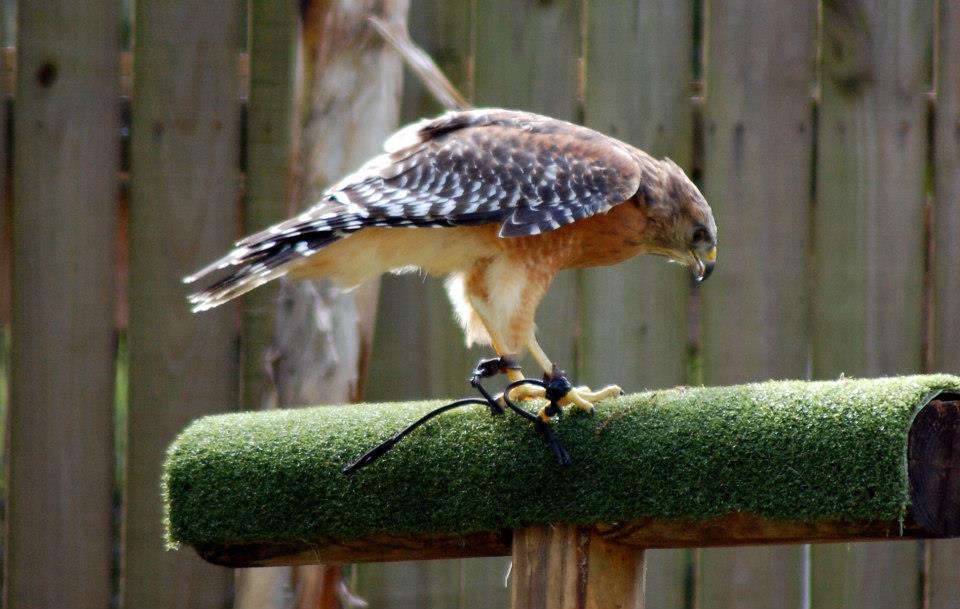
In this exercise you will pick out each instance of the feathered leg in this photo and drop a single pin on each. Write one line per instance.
(509, 322)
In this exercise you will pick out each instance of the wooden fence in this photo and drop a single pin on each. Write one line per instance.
(825, 135)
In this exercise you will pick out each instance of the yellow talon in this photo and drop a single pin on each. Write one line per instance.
(581, 397)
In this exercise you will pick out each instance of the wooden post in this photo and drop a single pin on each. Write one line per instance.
(570, 567)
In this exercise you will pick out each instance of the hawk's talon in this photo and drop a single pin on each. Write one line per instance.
(527, 392)
(585, 398)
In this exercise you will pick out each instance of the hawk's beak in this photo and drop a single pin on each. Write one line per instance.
(703, 267)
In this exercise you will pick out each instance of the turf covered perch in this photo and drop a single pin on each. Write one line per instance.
(763, 463)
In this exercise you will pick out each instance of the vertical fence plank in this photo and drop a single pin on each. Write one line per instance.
(868, 262)
(184, 167)
(944, 585)
(5, 215)
(946, 218)
(527, 57)
(758, 158)
(870, 184)
(59, 530)
(4, 199)
(638, 336)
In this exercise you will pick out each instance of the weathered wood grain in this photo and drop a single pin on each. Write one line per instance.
(758, 136)
(868, 256)
(943, 556)
(946, 214)
(59, 543)
(638, 335)
(638, 77)
(943, 586)
(730, 530)
(184, 194)
(568, 567)
(758, 146)
(868, 267)
(5, 207)
(930, 462)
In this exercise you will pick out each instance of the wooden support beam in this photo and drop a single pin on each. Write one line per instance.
(570, 567)
(933, 458)
(724, 531)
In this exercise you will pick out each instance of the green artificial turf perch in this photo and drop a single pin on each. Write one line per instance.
(784, 450)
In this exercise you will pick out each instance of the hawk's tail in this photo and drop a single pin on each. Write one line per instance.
(268, 255)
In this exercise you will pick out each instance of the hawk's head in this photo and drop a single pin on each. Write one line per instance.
(680, 222)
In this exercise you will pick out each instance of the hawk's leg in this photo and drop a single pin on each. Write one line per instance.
(582, 397)
(487, 368)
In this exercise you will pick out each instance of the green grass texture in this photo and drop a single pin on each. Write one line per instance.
(787, 450)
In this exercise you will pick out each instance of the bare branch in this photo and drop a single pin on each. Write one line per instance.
(422, 64)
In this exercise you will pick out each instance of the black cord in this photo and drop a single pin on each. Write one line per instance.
(559, 452)
(380, 449)
(555, 388)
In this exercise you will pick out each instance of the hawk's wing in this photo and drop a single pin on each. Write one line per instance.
(527, 172)
(530, 173)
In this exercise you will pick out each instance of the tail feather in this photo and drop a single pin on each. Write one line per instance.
(255, 264)
(271, 253)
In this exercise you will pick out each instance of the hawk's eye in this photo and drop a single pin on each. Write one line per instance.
(701, 235)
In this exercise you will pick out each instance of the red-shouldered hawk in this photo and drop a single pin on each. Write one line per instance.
(498, 201)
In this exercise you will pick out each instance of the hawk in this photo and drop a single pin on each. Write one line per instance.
(498, 201)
